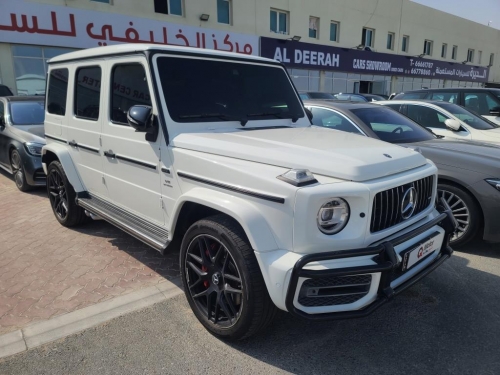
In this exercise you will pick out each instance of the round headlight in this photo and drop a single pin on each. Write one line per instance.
(333, 216)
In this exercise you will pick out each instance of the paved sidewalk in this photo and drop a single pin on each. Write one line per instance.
(47, 270)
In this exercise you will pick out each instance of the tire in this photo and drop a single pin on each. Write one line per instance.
(16, 164)
(465, 209)
(217, 246)
(62, 197)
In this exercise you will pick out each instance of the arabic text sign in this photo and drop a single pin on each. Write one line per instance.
(315, 56)
(25, 23)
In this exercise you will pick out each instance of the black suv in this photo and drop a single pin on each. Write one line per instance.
(485, 102)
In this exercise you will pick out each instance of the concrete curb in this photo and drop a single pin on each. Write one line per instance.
(64, 325)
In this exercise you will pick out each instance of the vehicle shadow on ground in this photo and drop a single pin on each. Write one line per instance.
(481, 248)
(166, 265)
(449, 323)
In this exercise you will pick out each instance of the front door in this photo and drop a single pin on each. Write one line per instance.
(435, 121)
(131, 163)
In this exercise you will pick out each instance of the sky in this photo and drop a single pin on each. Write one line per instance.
(480, 11)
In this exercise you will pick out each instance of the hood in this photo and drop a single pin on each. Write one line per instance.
(323, 151)
(30, 133)
(481, 158)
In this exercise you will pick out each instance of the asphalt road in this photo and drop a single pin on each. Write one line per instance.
(447, 324)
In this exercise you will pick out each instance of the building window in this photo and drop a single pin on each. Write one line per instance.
(454, 52)
(314, 27)
(479, 57)
(405, 43)
(428, 47)
(492, 59)
(390, 41)
(279, 21)
(224, 11)
(367, 38)
(88, 93)
(334, 31)
(444, 50)
(470, 55)
(30, 67)
(169, 7)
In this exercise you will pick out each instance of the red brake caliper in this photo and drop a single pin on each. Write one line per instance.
(204, 269)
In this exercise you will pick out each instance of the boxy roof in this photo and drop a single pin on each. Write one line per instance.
(124, 49)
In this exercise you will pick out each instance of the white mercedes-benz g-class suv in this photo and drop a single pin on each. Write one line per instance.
(216, 150)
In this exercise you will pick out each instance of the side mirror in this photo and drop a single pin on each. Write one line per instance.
(141, 118)
(308, 113)
(453, 124)
(495, 111)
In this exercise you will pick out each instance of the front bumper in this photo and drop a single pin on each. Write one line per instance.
(386, 264)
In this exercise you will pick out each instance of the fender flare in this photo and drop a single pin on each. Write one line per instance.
(62, 154)
(254, 224)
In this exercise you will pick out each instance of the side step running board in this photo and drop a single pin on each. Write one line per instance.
(145, 231)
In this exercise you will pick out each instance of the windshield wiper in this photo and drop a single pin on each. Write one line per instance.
(222, 116)
(279, 115)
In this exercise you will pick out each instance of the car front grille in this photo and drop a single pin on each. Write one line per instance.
(334, 290)
(388, 205)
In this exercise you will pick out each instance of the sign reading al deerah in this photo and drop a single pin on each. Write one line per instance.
(29, 23)
(310, 56)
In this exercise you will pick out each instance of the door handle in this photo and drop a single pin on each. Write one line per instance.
(73, 144)
(109, 154)
(165, 170)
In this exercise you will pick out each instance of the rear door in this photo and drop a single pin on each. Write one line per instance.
(84, 124)
(131, 163)
(4, 153)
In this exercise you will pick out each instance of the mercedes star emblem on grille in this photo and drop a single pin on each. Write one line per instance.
(409, 203)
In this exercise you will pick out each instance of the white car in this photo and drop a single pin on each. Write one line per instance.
(216, 150)
(447, 119)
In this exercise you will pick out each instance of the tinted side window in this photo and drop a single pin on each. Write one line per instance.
(450, 97)
(130, 87)
(330, 119)
(480, 102)
(58, 92)
(426, 116)
(88, 92)
(2, 111)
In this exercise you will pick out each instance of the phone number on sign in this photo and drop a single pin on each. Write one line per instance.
(423, 72)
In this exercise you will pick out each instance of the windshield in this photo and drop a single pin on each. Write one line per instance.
(205, 90)
(496, 93)
(391, 126)
(321, 95)
(27, 113)
(469, 117)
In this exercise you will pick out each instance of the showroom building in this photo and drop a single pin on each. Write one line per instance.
(378, 46)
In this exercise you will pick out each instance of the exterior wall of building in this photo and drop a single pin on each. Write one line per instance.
(401, 17)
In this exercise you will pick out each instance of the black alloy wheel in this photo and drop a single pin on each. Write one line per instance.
(214, 281)
(57, 194)
(16, 164)
(62, 197)
(222, 279)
